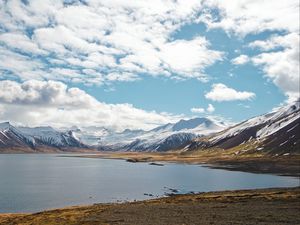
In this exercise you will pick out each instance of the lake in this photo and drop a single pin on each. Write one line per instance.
(35, 182)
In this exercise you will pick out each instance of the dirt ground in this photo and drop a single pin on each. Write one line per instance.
(265, 206)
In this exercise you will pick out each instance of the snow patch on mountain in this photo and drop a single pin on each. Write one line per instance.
(35, 137)
(267, 124)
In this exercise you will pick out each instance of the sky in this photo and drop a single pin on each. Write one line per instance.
(139, 64)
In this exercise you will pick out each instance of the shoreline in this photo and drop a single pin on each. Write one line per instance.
(271, 206)
(261, 164)
(284, 165)
(249, 206)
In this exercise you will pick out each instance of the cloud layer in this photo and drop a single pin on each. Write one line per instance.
(122, 41)
(45, 45)
(108, 42)
(37, 103)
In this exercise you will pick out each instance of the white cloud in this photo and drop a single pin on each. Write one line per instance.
(253, 16)
(281, 67)
(20, 42)
(135, 37)
(52, 103)
(189, 58)
(130, 37)
(220, 92)
(285, 41)
(242, 17)
(240, 60)
(47, 93)
(210, 108)
(121, 41)
(198, 110)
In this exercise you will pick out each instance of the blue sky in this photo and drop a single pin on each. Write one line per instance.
(161, 94)
(128, 64)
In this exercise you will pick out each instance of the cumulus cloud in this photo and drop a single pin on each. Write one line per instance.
(189, 58)
(280, 53)
(37, 103)
(124, 40)
(240, 60)
(281, 67)
(220, 92)
(115, 39)
(253, 16)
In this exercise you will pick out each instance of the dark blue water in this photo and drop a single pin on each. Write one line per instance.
(34, 182)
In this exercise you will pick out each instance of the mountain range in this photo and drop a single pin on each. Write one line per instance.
(276, 132)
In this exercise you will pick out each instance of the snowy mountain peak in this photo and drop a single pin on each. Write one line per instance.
(162, 138)
(195, 125)
(35, 138)
(191, 123)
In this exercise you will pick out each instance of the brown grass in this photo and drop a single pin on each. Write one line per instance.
(266, 206)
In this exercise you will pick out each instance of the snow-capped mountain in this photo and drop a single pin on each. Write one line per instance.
(277, 132)
(166, 137)
(11, 137)
(36, 138)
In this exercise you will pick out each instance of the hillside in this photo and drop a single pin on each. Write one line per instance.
(38, 139)
(275, 133)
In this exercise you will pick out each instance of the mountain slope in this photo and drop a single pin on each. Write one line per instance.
(10, 137)
(163, 138)
(36, 139)
(277, 132)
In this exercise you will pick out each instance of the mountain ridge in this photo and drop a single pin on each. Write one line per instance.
(36, 139)
(276, 132)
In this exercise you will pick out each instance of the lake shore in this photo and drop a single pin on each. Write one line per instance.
(285, 165)
(261, 206)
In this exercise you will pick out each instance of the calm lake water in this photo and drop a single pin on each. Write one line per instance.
(34, 182)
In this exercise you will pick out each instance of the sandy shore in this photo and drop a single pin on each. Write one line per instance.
(265, 206)
(288, 165)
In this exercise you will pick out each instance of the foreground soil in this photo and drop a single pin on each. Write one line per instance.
(288, 165)
(264, 206)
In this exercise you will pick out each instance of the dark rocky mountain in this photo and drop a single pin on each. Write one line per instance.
(277, 132)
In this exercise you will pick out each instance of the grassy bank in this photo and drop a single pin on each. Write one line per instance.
(265, 206)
